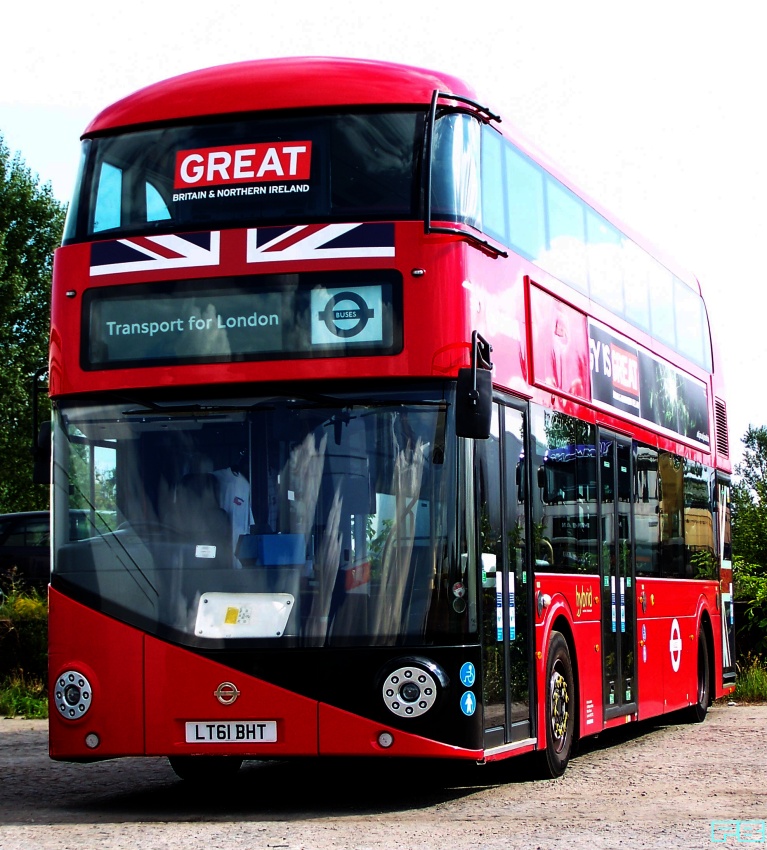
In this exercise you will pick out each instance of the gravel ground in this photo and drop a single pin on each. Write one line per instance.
(645, 785)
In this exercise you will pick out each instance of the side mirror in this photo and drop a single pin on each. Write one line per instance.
(474, 403)
(474, 392)
(41, 469)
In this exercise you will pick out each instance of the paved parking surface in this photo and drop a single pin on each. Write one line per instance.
(644, 786)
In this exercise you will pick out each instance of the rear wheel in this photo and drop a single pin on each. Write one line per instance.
(560, 707)
(200, 769)
(698, 711)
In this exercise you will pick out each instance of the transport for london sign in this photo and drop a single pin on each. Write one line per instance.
(220, 321)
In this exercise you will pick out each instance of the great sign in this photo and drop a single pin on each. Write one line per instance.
(243, 164)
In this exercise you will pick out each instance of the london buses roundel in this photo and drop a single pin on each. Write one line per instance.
(346, 314)
(675, 645)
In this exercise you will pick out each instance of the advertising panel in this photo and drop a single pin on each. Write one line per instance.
(559, 344)
(627, 378)
(235, 164)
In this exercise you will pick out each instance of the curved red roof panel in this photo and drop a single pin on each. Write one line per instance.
(288, 83)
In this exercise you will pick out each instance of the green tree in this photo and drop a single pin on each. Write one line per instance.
(749, 539)
(31, 223)
(749, 501)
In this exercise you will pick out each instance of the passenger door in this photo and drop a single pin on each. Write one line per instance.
(505, 580)
(617, 569)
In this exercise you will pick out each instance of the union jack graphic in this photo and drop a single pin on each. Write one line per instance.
(320, 242)
(151, 253)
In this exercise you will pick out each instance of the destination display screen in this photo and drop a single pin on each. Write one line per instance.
(250, 318)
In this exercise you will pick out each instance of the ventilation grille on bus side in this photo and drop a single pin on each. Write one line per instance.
(722, 440)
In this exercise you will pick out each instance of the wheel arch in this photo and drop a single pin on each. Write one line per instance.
(558, 622)
(557, 637)
(706, 627)
(561, 624)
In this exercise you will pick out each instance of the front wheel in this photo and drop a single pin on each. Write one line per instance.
(209, 769)
(560, 707)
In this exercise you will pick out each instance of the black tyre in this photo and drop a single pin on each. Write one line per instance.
(560, 708)
(697, 712)
(208, 769)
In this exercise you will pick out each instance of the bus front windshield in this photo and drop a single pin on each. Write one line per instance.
(297, 520)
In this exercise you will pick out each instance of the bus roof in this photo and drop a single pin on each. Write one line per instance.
(312, 82)
(286, 83)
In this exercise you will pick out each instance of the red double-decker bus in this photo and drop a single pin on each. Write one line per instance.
(392, 442)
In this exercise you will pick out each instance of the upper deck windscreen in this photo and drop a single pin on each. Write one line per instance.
(286, 168)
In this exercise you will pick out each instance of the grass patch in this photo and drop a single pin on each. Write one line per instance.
(751, 684)
(20, 697)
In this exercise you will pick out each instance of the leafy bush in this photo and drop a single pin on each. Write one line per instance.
(23, 635)
(23, 653)
(751, 593)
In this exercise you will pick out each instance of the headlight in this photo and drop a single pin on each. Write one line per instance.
(72, 694)
(412, 687)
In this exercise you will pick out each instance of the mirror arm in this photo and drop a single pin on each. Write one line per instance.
(480, 355)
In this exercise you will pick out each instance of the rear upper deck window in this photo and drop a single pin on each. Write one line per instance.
(290, 168)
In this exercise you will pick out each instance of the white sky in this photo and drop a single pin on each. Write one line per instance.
(655, 109)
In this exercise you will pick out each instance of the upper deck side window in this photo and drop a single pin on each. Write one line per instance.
(455, 185)
(272, 170)
(525, 208)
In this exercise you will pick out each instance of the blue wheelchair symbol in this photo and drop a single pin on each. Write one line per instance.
(468, 703)
(468, 674)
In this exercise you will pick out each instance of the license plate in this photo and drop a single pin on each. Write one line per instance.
(231, 732)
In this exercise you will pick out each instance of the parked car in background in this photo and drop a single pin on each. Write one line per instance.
(25, 539)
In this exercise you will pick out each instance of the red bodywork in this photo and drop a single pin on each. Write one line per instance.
(291, 83)
(134, 675)
(661, 688)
